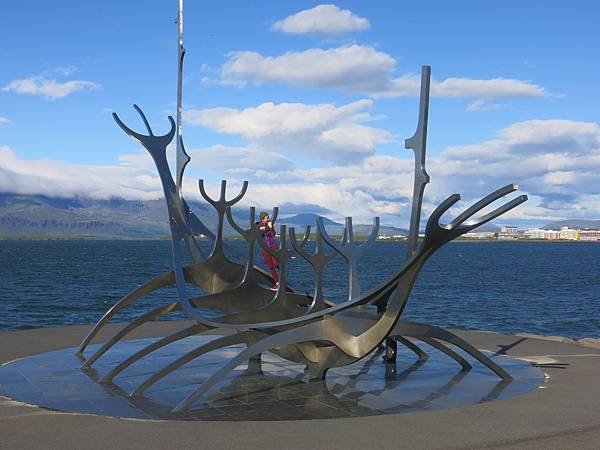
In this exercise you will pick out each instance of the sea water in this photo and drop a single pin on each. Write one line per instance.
(537, 287)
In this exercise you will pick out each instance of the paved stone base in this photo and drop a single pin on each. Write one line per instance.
(564, 413)
(268, 388)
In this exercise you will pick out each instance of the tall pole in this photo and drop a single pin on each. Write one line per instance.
(418, 143)
(182, 157)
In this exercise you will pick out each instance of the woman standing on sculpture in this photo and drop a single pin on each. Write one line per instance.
(267, 233)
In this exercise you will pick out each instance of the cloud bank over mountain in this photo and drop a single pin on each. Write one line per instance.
(555, 161)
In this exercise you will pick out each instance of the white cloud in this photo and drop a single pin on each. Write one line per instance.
(360, 69)
(483, 104)
(4, 120)
(324, 19)
(556, 162)
(494, 88)
(62, 70)
(579, 136)
(48, 87)
(355, 68)
(238, 160)
(60, 179)
(323, 131)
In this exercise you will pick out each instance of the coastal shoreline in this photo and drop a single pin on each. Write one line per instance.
(230, 238)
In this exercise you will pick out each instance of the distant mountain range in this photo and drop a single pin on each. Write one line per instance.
(575, 224)
(38, 216)
(302, 220)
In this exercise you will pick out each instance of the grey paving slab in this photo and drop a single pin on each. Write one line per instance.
(564, 412)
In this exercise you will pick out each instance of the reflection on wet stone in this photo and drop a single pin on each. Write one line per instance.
(267, 388)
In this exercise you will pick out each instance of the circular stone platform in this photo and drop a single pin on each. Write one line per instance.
(562, 413)
(269, 389)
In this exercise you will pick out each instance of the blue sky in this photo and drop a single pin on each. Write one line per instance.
(310, 102)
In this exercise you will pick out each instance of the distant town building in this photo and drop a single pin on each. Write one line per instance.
(551, 234)
(567, 234)
(480, 235)
(508, 232)
(564, 234)
(395, 237)
(509, 229)
(589, 235)
(534, 233)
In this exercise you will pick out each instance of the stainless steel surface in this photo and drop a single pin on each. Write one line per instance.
(182, 158)
(318, 261)
(153, 314)
(350, 250)
(418, 143)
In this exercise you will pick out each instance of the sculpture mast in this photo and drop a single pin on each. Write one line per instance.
(418, 143)
(182, 157)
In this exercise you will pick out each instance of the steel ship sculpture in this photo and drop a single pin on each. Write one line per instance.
(302, 328)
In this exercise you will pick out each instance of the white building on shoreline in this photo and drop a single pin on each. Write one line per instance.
(564, 234)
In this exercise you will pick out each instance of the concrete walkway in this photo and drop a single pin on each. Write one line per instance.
(563, 413)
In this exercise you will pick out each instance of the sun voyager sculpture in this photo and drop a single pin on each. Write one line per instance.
(301, 328)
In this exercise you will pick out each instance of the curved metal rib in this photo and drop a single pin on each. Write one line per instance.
(492, 215)
(207, 197)
(421, 331)
(413, 348)
(128, 329)
(249, 235)
(437, 235)
(447, 336)
(146, 124)
(166, 279)
(224, 341)
(238, 197)
(447, 351)
(135, 135)
(485, 201)
(239, 229)
(181, 334)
